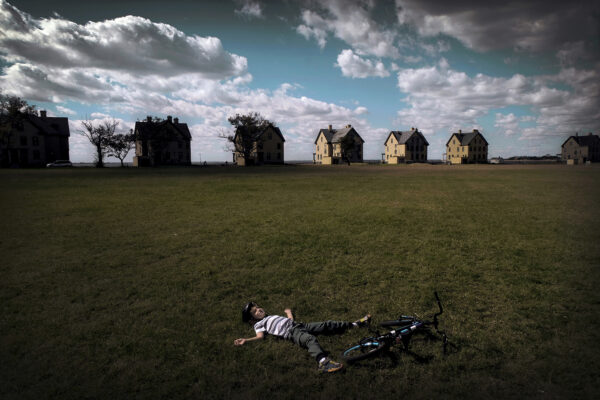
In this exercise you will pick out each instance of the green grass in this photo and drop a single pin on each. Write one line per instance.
(128, 283)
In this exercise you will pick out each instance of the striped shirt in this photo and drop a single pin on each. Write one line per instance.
(275, 325)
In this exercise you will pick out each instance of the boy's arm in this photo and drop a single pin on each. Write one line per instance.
(288, 312)
(241, 341)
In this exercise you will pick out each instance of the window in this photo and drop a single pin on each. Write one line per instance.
(279, 156)
(35, 141)
(268, 156)
(36, 154)
(278, 146)
(23, 140)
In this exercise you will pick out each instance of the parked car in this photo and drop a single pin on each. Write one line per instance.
(59, 164)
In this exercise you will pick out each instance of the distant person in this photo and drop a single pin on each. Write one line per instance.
(302, 334)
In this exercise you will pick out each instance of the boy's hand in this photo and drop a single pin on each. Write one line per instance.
(239, 342)
(288, 312)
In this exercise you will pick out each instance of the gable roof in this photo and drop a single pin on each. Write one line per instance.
(336, 135)
(586, 140)
(146, 128)
(56, 126)
(272, 127)
(466, 138)
(403, 136)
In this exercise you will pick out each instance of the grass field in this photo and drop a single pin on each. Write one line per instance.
(128, 283)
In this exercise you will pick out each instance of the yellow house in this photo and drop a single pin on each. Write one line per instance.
(328, 146)
(467, 148)
(266, 149)
(407, 146)
(579, 149)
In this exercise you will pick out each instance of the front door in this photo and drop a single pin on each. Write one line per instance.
(23, 157)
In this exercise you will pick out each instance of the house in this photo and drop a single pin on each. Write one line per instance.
(35, 141)
(580, 149)
(467, 148)
(165, 142)
(405, 146)
(265, 148)
(328, 146)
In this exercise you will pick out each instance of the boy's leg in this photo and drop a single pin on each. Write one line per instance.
(303, 338)
(327, 327)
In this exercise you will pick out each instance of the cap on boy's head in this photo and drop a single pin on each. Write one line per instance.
(246, 316)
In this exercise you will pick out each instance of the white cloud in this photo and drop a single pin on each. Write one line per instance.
(65, 110)
(508, 123)
(351, 22)
(249, 9)
(441, 99)
(353, 66)
(113, 45)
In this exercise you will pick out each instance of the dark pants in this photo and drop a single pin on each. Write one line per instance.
(304, 335)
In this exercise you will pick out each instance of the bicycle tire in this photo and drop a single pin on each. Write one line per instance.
(365, 349)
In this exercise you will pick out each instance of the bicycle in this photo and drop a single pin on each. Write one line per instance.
(407, 327)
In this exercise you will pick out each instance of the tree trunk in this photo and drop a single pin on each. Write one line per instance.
(100, 162)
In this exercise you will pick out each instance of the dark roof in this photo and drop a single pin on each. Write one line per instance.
(465, 138)
(336, 135)
(585, 140)
(146, 128)
(403, 136)
(58, 126)
(273, 127)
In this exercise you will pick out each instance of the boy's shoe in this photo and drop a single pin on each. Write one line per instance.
(363, 321)
(329, 365)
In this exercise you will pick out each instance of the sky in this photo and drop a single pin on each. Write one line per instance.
(524, 73)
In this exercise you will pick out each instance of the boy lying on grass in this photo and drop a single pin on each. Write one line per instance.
(300, 333)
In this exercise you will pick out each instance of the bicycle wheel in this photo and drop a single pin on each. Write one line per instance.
(365, 349)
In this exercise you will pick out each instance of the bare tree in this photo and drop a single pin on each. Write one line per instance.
(13, 112)
(248, 129)
(119, 145)
(100, 137)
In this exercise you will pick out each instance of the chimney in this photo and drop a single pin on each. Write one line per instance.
(348, 126)
(169, 118)
(176, 120)
(43, 114)
(412, 128)
(576, 133)
(149, 118)
(475, 131)
(590, 134)
(460, 131)
(329, 127)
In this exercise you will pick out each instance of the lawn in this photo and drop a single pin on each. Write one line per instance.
(128, 283)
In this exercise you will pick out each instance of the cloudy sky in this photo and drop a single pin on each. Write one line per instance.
(525, 73)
